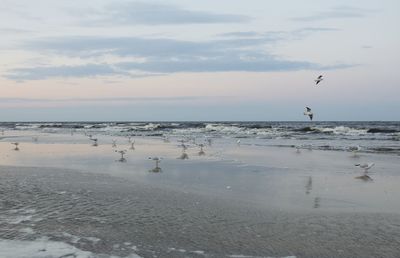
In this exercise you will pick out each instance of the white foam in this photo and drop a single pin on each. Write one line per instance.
(28, 231)
(19, 219)
(42, 248)
(198, 252)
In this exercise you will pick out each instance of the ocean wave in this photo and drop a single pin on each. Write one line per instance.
(381, 130)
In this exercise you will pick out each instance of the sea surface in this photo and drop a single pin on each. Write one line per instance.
(373, 136)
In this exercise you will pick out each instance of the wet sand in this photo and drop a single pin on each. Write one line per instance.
(235, 200)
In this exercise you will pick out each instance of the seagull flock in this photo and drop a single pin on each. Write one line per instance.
(308, 111)
(354, 150)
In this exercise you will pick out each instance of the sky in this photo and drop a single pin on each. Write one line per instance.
(187, 60)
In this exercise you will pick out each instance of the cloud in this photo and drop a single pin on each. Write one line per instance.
(13, 31)
(45, 72)
(113, 101)
(231, 52)
(338, 12)
(143, 13)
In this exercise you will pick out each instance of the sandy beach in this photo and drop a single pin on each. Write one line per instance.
(61, 195)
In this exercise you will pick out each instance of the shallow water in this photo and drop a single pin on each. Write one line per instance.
(107, 215)
(63, 195)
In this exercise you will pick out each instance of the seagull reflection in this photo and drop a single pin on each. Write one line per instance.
(157, 168)
(365, 178)
(309, 185)
(317, 201)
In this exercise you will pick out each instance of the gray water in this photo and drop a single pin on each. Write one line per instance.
(107, 215)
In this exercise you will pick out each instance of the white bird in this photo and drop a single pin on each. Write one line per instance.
(114, 143)
(365, 166)
(238, 142)
(319, 79)
(157, 169)
(122, 152)
(183, 155)
(16, 145)
(94, 142)
(309, 113)
(132, 145)
(201, 152)
(355, 149)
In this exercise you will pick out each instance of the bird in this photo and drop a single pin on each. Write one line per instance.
(183, 155)
(166, 139)
(122, 152)
(355, 149)
(94, 142)
(238, 142)
(319, 79)
(201, 152)
(365, 166)
(157, 168)
(16, 145)
(309, 113)
(132, 145)
(114, 143)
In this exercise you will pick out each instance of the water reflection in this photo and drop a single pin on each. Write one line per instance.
(317, 202)
(365, 178)
(309, 185)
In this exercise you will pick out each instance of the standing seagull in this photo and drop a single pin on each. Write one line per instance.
(308, 113)
(319, 79)
(365, 166)
(157, 169)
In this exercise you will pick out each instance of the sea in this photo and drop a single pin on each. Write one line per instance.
(366, 136)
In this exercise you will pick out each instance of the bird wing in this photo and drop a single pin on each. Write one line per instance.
(308, 109)
(319, 77)
(317, 81)
(311, 116)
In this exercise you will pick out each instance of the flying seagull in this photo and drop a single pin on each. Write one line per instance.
(319, 79)
(308, 113)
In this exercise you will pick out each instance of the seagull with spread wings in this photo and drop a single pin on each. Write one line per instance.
(309, 113)
(319, 79)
